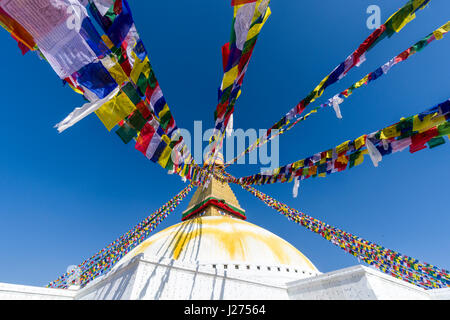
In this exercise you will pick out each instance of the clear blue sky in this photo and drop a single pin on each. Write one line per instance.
(65, 196)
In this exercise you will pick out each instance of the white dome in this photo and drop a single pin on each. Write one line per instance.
(221, 239)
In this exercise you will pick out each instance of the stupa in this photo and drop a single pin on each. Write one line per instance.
(214, 253)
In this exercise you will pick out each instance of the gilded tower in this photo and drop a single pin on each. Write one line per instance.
(215, 199)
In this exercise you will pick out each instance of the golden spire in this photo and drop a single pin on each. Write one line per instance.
(215, 199)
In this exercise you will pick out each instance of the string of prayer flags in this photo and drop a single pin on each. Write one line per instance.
(384, 69)
(249, 18)
(416, 132)
(113, 72)
(141, 100)
(97, 50)
(105, 259)
(388, 261)
(65, 35)
(338, 99)
(93, 45)
(394, 24)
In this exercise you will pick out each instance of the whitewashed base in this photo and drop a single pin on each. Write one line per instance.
(144, 278)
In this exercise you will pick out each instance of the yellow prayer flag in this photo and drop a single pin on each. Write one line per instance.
(115, 69)
(445, 27)
(399, 20)
(267, 15)
(139, 67)
(166, 139)
(164, 110)
(343, 147)
(115, 110)
(439, 33)
(390, 132)
(362, 81)
(360, 142)
(165, 155)
(254, 31)
(428, 122)
(117, 73)
(299, 163)
(408, 19)
(329, 154)
(360, 158)
(318, 90)
(229, 77)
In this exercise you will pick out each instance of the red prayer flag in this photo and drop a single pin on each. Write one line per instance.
(144, 138)
(225, 55)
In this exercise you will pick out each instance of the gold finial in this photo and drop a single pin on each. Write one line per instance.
(215, 199)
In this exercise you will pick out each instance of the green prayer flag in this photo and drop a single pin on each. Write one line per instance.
(110, 14)
(249, 45)
(437, 141)
(137, 120)
(131, 92)
(396, 22)
(353, 158)
(126, 133)
(233, 32)
(305, 171)
(165, 120)
(422, 43)
(142, 83)
(444, 129)
(225, 94)
(405, 126)
(152, 79)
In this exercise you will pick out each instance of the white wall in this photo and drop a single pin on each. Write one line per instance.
(19, 292)
(180, 282)
(148, 279)
(354, 283)
(440, 294)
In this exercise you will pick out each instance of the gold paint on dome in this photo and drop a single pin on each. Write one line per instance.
(224, 239)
